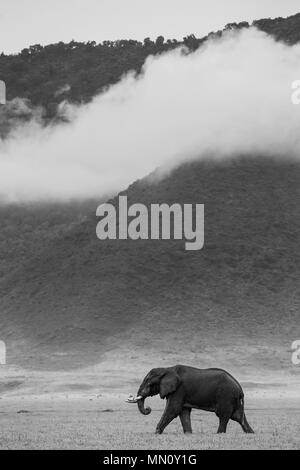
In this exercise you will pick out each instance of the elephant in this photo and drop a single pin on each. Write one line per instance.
(187, 387)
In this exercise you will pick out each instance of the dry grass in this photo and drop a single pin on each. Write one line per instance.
(102, 424)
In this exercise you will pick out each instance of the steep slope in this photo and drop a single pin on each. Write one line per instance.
(71, 298)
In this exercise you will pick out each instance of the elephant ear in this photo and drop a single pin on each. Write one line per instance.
(168, 384)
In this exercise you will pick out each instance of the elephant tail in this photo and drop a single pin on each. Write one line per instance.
(245, 425)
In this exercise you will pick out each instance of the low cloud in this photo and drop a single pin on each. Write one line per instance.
(232, 96)
(63, 90)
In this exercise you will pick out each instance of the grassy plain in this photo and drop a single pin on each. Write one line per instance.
(91, 421)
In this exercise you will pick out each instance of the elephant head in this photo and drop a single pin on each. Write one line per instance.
(163, 381)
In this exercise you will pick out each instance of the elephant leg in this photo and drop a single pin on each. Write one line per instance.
(185, 418)
(172, 410)
(224, 411)
(223, 421)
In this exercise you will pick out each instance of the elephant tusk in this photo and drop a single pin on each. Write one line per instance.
(132, 399)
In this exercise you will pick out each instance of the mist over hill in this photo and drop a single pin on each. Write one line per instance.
(231, 96)
(46, 76)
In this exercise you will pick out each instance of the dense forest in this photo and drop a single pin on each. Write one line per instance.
(44, 76)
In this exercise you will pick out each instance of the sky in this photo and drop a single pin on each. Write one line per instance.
(27, 22)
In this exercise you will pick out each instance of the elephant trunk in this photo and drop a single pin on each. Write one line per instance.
(141, 407)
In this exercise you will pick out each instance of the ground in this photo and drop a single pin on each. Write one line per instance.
(84, 424)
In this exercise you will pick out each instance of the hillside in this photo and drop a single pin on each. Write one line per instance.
(68, 299)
